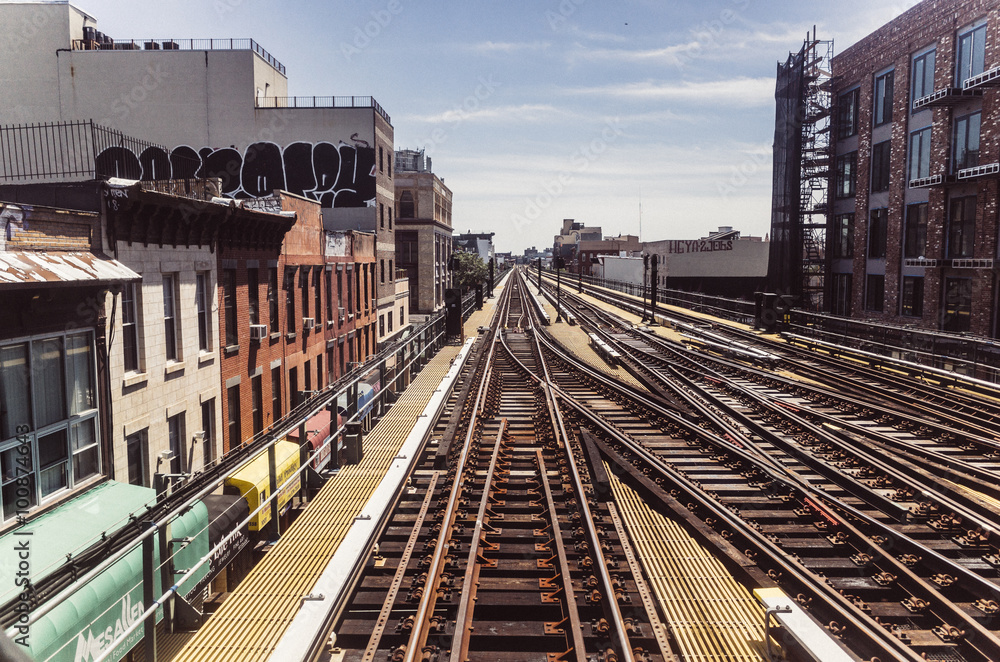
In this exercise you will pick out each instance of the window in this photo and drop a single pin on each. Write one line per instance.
(382, 264)
(388, 319)
(340, 294)
(915, 239)
(381, 325)
(392, 272)
(308, 386)
(293, 387)
(406, 206)
(169, 317)
(130, 326)
(318, 293)
(841, 304)
(208, 429)
(920, 154)
(883, 98)
(923, 75)
(272, 298)
(229, 304)
(957, 309)
(275, 394)
(137, 451)
(330, 367)
(847, 114)
(350, 293)
(381, 215)
(175, 435)
(202, 299)
(846, 175)
(380, 169)
(401, 315)
(841, 242)
(971, 54)
(290, 299)
(319, 373)
(877, 228)
(329, 296)
(874, 293)
(253, 295)
(233, 405)
(390, 218)
(965, 142)
(257, 404)
(304, 284)
(912, 297)
(880, 167)
(961, 226)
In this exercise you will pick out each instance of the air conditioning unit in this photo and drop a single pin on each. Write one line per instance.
(308, 323)
(258, 331)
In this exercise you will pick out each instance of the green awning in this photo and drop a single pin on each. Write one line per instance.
(72, 527)
(84, 625)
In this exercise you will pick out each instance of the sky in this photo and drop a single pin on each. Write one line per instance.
(639, 116)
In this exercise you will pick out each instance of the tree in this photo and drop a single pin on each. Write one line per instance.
(469, 270)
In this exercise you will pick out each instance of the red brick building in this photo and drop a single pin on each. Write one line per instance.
(350, 272)
(252, 324)
(912, 233)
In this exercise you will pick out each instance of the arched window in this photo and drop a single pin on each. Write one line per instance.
(406, 209)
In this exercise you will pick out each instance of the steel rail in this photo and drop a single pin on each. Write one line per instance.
(397, 578)
(421, 624)
(463, 618)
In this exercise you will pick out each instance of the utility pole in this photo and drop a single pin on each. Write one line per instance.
(655, 285)
(645, 271)
(559, 265)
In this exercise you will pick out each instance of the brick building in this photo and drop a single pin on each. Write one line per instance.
(424, 230)
(912, 232)
(349, 257)
(55, 390)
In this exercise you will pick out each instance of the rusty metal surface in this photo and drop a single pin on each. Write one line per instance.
(52, 268)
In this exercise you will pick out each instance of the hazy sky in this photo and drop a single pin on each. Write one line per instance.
(539, 110)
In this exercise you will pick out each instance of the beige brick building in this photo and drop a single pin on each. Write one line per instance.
(423, 230)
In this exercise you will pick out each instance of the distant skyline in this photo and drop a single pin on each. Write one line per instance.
(537, 111)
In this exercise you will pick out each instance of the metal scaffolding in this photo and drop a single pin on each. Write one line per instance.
(802, 163)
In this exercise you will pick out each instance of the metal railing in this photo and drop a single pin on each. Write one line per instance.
(968, 355)
(77, 149)
(323, 102)
(245, 44)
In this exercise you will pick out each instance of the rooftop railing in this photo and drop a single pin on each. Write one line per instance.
(323, 102)
(108, 44)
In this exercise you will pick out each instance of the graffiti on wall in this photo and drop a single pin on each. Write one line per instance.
(335, 175)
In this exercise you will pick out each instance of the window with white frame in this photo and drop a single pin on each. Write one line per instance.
(131, 319)
(170, 340)
(203, 305)
(48, 419)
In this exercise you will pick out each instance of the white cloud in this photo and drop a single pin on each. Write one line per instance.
(485, 47)
(741, 91)
(533, 113)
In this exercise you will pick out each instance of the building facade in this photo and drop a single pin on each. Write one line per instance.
(424, 230)
(56, 426)
(219, 107)
(912, 233)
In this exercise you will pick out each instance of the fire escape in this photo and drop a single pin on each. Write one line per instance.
(815, 167)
